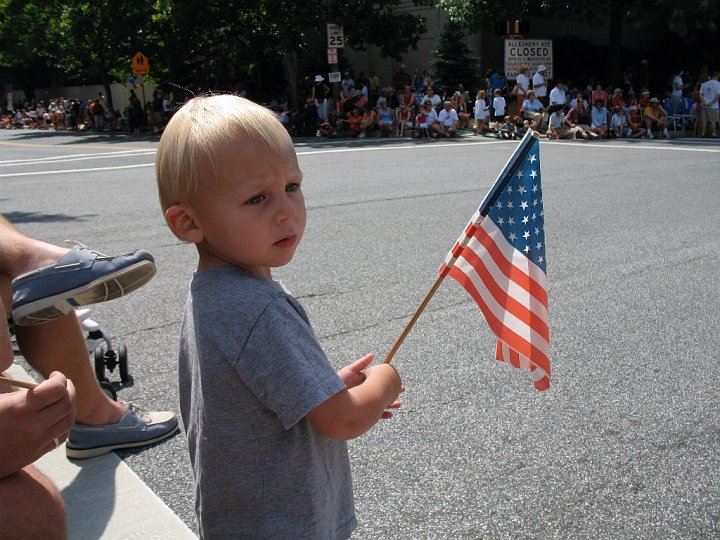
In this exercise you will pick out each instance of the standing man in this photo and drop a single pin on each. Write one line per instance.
(710, 112)
(540, 84)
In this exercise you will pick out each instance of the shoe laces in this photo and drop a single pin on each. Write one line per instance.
(142, 412)
(80, 245)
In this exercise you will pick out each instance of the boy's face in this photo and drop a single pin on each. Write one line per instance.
(251, 210)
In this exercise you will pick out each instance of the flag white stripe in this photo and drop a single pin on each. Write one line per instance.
(518, 260)
(512, 289)
(505, 317)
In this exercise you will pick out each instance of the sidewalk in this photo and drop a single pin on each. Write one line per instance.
(104, 498)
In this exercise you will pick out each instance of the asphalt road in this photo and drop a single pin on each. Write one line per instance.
(626, 443)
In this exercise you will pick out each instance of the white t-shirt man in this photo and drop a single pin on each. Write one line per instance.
(523, 84)
(539, 83)
(710, 92)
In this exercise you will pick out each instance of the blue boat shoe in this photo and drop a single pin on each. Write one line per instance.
(137, 427)
(80, 277)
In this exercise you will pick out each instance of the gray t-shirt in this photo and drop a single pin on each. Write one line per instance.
(251, 369)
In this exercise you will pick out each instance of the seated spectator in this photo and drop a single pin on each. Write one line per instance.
(534, 111)
(354, 123)
(481, 112)
(599, 118)
(32, 423)
(508, 129)
(462, 110)
(408, 97)
(426, 120)
(558, 125)
(644, 99)
(577, 128)
(447, 121)
(655, 115)
(498, 106)
(386, 118)
(369, 121)
(617, 99)
(403, 119)
(434, 99)
(329, 128)
(635, 123)
(43, 283)
(618, 129)
(557, 95)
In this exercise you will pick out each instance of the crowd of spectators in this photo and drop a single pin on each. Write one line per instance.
(90, 115)
(413, 105)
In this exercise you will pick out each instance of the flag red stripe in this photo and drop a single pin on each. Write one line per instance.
(519, 310)
(509, 269)
(520, 344)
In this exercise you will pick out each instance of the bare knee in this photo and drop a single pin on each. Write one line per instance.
(31, 507)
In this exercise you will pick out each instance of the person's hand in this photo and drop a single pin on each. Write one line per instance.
(386, 370)
(34, 422)
(353, 374)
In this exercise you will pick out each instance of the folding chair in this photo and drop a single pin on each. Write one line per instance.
(673, 118)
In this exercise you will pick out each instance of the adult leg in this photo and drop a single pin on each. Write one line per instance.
(31, 507)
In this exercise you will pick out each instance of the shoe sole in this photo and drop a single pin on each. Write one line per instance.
(85, 453)
(108, 287)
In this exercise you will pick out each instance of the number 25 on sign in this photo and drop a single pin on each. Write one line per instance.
(335, 36)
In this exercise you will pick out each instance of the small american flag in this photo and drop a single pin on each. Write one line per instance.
(500, 260)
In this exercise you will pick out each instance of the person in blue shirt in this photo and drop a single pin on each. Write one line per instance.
(599, 118)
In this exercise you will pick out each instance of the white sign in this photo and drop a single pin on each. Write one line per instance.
(335, 36)
(334, 76)
(530, 53)
(332, 56)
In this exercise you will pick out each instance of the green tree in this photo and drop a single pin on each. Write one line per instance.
(453, 64)
(199, 44)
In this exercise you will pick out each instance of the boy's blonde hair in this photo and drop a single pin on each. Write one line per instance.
(201, 128)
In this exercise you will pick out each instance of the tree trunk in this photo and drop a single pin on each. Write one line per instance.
(615, 37)
(108, 93)
(291, 74)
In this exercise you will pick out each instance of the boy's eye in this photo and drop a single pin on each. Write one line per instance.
(257, 199)
(292, 187)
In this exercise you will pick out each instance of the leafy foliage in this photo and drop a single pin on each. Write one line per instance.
(453, 64)
(203, 45)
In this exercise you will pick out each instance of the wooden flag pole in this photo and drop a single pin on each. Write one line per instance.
(18, 384)
(414, 319)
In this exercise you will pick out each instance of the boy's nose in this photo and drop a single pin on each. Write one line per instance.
(286, 209)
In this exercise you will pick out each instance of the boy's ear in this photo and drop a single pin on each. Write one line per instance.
(181, 220)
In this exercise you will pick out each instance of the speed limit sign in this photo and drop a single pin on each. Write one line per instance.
(335, 36)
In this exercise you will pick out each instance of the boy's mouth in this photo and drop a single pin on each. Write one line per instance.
(286, 242)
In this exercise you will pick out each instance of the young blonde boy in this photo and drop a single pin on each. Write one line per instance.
(266, 415)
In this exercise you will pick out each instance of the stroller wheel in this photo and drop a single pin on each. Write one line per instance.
(108, 389)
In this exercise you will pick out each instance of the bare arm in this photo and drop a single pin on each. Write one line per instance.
(353, 411)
